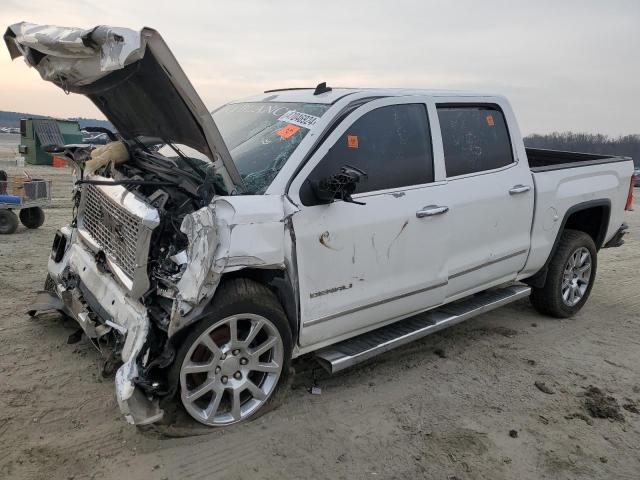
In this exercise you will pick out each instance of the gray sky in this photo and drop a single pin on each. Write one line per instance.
(565, 65)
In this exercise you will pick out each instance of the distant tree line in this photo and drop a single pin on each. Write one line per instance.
(627, 145)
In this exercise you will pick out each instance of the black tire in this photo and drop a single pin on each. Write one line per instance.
(233, 297)
(8, 222)
(32, 217)
(548, 299)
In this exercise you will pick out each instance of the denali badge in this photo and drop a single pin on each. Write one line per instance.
(330, 290)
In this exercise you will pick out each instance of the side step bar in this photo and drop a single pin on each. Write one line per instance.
(350, 352)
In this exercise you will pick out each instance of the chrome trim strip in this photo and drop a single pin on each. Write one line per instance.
(486, 264)
(371, 305)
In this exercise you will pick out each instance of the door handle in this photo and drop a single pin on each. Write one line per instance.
(431, 210)
(516, 189)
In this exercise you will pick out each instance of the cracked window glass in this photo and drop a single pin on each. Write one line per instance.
(261, 136)
(475, 139)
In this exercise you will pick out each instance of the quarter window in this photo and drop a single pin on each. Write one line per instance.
(391, 144)
(475, 138)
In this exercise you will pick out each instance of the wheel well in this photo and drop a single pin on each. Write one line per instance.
(591, 218)
(280, 284)
(593, 221)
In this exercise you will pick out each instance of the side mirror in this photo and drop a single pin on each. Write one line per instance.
(339, 186)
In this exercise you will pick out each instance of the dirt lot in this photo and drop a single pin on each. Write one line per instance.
(461, 404)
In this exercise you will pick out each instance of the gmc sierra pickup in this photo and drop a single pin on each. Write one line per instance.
(207, 250)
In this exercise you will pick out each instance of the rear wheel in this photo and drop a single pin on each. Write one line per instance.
(8, 222)
(570, 276)
(32, 217)
(232, 363)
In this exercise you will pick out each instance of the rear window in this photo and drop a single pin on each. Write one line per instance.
(261, 136)
(475, 138)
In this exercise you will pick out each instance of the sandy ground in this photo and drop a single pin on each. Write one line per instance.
(460, 404)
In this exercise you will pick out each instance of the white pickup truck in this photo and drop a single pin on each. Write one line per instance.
(208, 251)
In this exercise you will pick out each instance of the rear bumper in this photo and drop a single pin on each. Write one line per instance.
(617, 239)
(100, 305)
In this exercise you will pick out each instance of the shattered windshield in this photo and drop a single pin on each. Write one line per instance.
(261, 136)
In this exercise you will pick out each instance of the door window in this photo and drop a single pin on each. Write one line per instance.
(391, 144)
(475, 138)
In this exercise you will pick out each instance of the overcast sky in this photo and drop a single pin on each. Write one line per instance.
(565, 65)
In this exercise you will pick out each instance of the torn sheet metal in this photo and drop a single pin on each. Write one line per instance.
(124, 314)
(95, 61)
(201, 275)
(45, 302)
(79, 56)
(230, 234)
(257, 231)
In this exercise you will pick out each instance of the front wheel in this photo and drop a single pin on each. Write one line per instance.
(232, 363)
(570, 276)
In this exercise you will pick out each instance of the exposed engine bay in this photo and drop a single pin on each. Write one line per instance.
(150, 239)
(162, 211)
(174, 190)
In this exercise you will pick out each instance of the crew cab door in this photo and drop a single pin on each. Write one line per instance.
(489, 193)
(362, 265)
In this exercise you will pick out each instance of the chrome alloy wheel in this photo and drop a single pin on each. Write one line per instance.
(231, 369)
(576, 276)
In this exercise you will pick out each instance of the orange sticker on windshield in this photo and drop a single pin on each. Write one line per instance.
(288, 131)
(490, 120)
(352, 141)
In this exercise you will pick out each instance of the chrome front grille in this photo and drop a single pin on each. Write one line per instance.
(112, 227)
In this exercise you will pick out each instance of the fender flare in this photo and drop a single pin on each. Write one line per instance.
(538, 279)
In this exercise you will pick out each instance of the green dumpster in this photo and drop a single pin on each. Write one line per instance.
(38, 133)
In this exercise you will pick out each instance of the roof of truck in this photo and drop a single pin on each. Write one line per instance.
(306, 95)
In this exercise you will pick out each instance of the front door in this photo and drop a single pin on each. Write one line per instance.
(360, 266)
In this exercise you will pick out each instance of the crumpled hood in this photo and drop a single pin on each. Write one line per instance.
(131, 76)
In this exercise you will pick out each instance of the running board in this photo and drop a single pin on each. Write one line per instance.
(350, 352)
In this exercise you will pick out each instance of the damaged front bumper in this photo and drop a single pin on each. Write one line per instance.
(100, 306)
(222, 237)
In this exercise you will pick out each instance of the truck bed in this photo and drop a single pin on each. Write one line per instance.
(543, 160)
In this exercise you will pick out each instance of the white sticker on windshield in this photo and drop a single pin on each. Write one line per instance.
(300, 119)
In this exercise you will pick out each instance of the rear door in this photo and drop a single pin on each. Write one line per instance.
(489, 194)
(362, 265)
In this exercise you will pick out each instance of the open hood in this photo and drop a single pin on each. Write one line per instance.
(132, 77)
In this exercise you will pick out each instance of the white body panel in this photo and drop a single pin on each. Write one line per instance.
(490, 228)
(558, 191)
(360, 265)
(348, 286)
(383, 261)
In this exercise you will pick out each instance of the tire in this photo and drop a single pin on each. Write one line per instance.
(32, 217)
(8, 222)
(208, 360)
(555, 298)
